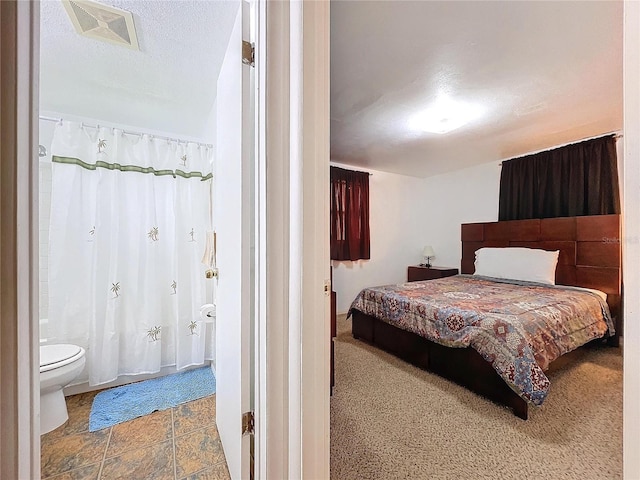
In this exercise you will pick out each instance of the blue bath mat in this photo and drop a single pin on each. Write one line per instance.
(127, 402)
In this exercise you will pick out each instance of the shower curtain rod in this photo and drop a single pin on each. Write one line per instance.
(126, 132)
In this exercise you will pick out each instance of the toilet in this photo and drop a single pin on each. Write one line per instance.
(59, 366)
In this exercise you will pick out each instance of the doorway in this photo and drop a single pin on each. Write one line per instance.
(20, 458)
(180, 87)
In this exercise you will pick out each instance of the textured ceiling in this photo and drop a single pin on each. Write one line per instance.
(167, 86)
(545, 73)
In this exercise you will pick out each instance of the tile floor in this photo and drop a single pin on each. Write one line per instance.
(174, 444)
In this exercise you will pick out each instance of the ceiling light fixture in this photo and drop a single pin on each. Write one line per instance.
(444, 115)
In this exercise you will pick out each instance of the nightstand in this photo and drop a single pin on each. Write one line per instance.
(416, 273)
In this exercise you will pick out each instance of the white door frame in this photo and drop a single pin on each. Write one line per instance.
(631, 236)
(304, 452)
(292, 407)
(19, 352)
(316, 287)
(292, 421)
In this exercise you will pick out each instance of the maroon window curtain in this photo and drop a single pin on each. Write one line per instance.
(575, 180)
(349, 214)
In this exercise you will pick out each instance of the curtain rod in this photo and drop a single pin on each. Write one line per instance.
(349, 168)
(126, 132)
(615, 134)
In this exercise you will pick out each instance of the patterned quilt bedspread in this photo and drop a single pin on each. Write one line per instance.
(518, 327)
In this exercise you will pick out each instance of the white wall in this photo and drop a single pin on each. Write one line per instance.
(397, 236)
(631, 235)
(210, 127)
(464, 196)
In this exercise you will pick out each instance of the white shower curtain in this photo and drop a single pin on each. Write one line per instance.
(129, 216)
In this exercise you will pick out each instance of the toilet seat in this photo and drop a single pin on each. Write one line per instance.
(56, 356)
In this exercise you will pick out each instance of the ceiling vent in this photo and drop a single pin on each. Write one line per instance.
(101, 22)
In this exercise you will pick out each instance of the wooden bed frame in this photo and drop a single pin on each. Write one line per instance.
(590, 256)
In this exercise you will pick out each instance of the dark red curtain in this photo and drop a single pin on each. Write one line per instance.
(349, 214)
(578, 179)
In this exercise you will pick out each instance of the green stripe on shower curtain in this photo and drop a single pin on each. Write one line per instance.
(129, 168)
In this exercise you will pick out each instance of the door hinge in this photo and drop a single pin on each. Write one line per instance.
(248, 53)
(248, 423)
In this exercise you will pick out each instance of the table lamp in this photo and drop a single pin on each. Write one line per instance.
(428, 254)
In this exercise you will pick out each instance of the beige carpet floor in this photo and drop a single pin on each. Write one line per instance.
(390, 420)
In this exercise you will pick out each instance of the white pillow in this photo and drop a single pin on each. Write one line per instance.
(517, 263)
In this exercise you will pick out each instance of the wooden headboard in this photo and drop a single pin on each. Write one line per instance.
(590, 250)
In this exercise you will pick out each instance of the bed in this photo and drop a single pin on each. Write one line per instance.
(463, 350)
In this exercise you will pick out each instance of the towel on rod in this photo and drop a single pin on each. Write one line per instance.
(209, 257)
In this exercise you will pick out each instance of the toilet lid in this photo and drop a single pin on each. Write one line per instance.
(52, 355)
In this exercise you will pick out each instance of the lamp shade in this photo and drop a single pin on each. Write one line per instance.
(428, 251)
